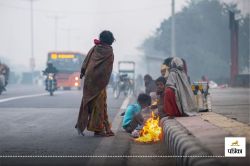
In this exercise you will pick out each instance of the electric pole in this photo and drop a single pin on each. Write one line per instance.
(173, 30)
(68, 30)
(32, 58)
(234, 31)
(32, 38)
(56, 19)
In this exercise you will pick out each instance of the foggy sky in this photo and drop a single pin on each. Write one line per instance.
(80, 21)
(131, 21)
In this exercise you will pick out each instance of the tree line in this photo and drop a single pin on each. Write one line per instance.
(202, 39)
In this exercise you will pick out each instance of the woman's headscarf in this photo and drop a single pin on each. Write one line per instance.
(178, 81)
(177, 63)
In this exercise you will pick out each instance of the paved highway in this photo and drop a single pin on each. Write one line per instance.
(34, 123)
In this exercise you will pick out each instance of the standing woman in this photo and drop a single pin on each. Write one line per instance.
(96, 68)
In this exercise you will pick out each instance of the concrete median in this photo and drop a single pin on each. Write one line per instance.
(199, 140)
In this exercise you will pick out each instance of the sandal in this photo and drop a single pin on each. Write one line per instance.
(110, 133)
(79, 131)
(100, 134)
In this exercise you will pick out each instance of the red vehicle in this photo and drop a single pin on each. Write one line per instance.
(68, 65)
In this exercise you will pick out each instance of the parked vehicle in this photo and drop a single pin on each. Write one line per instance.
(125, 79)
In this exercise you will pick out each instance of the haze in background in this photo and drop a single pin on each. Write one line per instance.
(202, 39)
(80, 21)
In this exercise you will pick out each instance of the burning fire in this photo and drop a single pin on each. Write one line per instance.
(151, 132)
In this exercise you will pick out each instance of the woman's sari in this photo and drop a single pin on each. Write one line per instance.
(97, 68)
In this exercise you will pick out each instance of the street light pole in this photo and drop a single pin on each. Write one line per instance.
(56, 18)
(56, 23)
(68, 30)
(32, 59)
(31, 28)
(173, 30)
(69, 33)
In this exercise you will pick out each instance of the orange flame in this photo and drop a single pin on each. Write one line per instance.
(151, 132)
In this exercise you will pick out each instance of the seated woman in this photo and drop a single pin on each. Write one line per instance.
(178, 98)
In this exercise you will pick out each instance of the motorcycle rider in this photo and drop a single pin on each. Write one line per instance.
(4, 74)
(124, 77)
(126, 84)
(50, 69)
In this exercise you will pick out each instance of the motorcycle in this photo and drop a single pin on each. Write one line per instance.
(2, 83)
(51, 83)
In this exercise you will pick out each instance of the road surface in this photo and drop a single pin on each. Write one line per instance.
(232, 102)
(34, 123)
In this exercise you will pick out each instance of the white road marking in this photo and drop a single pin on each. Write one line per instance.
(25, 96)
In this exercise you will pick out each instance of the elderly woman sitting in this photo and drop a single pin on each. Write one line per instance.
(178, 97)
